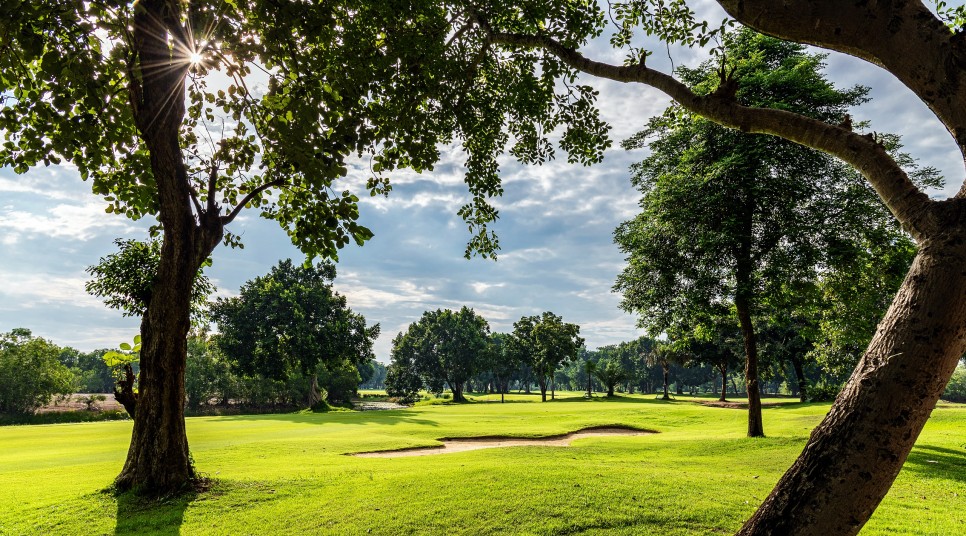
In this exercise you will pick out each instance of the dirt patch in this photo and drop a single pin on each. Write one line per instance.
(735, 405)
(464, 444)
(74, 403)
(376, 406)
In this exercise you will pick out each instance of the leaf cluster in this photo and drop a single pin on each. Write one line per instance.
(126, 279)
(289, 321)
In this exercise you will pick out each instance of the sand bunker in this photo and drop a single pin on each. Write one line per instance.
(477, 443)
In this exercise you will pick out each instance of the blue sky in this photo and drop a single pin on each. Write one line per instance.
(555, 227)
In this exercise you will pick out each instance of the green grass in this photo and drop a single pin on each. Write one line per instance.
(287, 474)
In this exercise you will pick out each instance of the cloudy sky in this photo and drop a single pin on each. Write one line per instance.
(555, 227)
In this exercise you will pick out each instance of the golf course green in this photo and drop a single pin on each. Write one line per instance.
(290, 473)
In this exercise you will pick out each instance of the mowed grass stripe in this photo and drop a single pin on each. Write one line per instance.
(288, 474)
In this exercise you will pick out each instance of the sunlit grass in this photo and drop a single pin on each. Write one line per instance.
(287, 474)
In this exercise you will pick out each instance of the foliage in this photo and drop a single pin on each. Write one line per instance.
(956, 389)
(125, 279)
(291, 322)
(340, 379)
(208, 374)
(544, 342)
(30, 372)
(856, 297)
(442, 347)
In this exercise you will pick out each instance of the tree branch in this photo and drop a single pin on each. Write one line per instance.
(225, 220)
(905, 38)
(910, 206)
(212, 183)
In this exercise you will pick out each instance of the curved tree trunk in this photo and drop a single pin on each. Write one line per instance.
(314, 396)
(854, 455)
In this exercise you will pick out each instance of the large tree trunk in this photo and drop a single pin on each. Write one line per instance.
(543, 389)
(158, 461)
(854, 455)
(457, 388)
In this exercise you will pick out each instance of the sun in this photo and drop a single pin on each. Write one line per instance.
(195, 58)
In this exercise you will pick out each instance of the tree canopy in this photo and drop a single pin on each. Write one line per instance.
(544, 342)
(730, 219)
(442, 347)
(291, 322)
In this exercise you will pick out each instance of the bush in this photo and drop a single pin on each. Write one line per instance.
(30, 373)
(340, 380)
(92, 400)
(956, 388)
(823, 391)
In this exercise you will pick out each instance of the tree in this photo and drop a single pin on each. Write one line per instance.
(290, 322)
(733, 217)
(30, 372)
(610, 373)
(443, 347)
(590, 369)
(125, 279)
(120, 90)
(502, 361)
(837, 482)
(663, 355)
(402, 376)
(544, 342)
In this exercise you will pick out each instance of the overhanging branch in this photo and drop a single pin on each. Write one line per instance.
(910, 205)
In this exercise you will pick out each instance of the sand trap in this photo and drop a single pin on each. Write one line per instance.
(476, 443)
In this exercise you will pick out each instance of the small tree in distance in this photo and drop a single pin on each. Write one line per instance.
(544, 342)
(444, 347)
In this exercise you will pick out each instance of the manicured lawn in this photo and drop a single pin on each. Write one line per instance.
(287, 474)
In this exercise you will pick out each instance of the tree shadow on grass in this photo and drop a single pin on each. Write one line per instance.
(937, 462)
(394, 416)
(138, 515)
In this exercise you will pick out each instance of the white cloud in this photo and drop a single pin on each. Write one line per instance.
(64, 221)
(39, 290)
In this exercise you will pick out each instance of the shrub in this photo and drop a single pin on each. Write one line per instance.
(30, 372)
(823, 391)
(956, 388)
